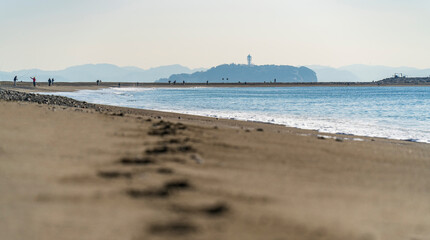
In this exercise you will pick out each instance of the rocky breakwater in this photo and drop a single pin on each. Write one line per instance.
(10, 95)
(405, 81)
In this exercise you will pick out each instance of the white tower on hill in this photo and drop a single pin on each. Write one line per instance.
(249, 60)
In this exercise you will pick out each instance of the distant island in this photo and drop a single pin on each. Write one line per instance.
(235, 73)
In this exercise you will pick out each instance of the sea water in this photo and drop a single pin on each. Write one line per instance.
(387, 112)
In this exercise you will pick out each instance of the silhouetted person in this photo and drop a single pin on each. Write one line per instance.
(169, 82)
(52, 82)
(34, 81)
(119, 85)
(49, 82)
(207, 82)
(174, 82)
(14, 81)
(98, 82)
(183, 82)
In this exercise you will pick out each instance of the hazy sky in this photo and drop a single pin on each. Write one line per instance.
(54, 34)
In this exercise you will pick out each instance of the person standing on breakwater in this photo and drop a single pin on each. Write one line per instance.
(14, 81)
(49, 82)
(34, 81)
(52, 81)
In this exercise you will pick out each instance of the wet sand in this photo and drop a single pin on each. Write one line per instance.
(71, 173)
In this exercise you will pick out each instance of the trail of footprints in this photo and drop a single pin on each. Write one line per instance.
(171, 147)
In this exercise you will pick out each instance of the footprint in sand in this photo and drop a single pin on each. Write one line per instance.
(164, 170)
(166, 190)
(162, 128)
(213, 210)
(114, 174)
(165, 149)
(137, 161)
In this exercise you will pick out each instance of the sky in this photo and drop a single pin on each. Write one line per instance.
(53, 34)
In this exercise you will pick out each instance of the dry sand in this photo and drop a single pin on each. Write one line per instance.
(69, 173)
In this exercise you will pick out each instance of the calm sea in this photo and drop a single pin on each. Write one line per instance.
(388, 112)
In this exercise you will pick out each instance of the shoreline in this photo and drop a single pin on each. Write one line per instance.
(107, 172)
(79, 87)
(72, 89)
(189, 118)
(75, 86)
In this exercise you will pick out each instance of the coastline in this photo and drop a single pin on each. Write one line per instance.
(145, 174)
(303, 124)
(75, 86)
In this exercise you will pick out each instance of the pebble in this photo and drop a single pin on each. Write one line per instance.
(197, 158)
(10, 95)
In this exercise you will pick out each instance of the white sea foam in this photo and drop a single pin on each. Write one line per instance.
(357, 127)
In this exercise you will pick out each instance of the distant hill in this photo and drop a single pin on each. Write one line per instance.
(234, 73)
(364, 73)
(375, 73)
(93, 72)
(328, 74)
(5, 76)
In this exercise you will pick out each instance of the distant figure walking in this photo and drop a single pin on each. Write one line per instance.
(183, 82)
(14, 81)
(174, 82)
(98, 82)
(49, 82)
(52, 81)
(34, 81)
(119, 85)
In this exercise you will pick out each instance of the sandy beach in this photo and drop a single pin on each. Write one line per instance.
(119, 173)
